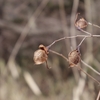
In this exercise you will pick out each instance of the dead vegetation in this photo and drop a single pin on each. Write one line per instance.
(24, 25)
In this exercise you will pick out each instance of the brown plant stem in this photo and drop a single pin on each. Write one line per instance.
(82, 41)
(88, 74)
(75, 65)
(90, 67)
(58, 54)
(84, 31)
(76, 36)
(94, 25)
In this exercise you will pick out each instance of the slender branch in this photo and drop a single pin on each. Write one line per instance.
(88, 74)
(75, 65)
(84, 31)
(96, 36)
(78, 47)
(94, 25)
(60, 40)
(82, 41)
(90, 67)
(58, 54)
(63, 38)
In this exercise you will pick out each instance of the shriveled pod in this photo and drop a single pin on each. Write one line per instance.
(81, 23)
(74, 57)
(41, 55)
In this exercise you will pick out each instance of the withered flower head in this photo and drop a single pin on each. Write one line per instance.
(81, 23)
(40, 55)
(74, 57)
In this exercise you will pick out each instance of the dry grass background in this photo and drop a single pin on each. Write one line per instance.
(24, 25)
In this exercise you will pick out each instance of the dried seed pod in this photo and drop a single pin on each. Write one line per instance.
(40, 55)
(81, 23)
(74, 57)
(42, 47)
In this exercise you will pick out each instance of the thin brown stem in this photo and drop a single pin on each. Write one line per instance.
(47, 65)
(82, 41)
(96, 36)
(84, 31)
(75, 65)
(60, 40)
(88, 74)
(63, 38)
(94, 25)
(90, 67)
(58, 54)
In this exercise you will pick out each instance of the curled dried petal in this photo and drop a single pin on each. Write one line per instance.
(42, 47)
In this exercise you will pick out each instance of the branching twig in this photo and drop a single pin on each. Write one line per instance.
(76, 36)
(84, 31)
(94, 25)
(82, 41)
(88, 74)
(75, 65)
(58, 54)
(90, 67)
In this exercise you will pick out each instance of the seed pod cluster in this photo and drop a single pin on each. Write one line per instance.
(74, 57)
(40, 55)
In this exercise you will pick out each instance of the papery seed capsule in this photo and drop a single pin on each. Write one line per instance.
(41, 55)
(74, 58)
(81, 23)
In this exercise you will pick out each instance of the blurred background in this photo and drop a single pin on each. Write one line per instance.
(24, 25)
